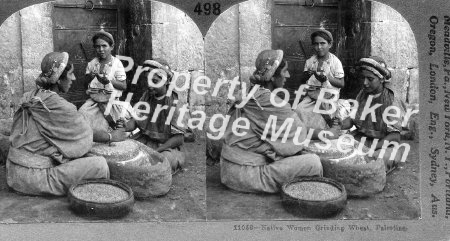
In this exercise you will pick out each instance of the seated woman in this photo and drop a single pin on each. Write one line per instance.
(49, 138)
(375, 76)
(250, 164)
(156, 131)
(324, 70)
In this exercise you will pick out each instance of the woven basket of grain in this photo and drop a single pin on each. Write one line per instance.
(146, 171)
(102, 198)
(313, 197)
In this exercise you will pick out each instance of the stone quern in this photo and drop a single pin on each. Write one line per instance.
(146, 171)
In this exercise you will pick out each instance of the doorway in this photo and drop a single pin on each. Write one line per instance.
(73, 27)
(293, 22)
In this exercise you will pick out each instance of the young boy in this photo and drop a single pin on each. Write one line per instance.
(324, 70)
(106, 76)
(105, 72)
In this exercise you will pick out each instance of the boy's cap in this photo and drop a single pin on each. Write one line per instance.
(323, 32)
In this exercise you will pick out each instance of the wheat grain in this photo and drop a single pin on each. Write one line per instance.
(100, 193)
(312, 191)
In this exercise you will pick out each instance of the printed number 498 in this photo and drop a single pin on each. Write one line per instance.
(207, 8)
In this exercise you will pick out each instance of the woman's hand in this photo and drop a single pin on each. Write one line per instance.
(346, 124)
(114, 136)
(336, 122)
(334, 133)
(120, 123)
(130, 125)
(118, 135)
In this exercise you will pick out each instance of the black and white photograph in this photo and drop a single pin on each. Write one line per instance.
(72, 151)
(224, 120)
(352, 51)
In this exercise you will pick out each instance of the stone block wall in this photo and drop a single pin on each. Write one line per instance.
(393, 39)
(11, 85)
(26, 36)
(37, 40)
(222, 57)
(232, 45)
(177, 39)
(228, 50)
(255, 33)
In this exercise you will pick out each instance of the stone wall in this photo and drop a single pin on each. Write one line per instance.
(11, 85)
(228, 50)
(37, 40)
(255, 33)
(26, 36)
(222, 60)
(393, 39)
(232, 45)
(176, 38)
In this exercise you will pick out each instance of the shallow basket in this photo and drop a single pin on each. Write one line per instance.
(314, 208)
(99, 209)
